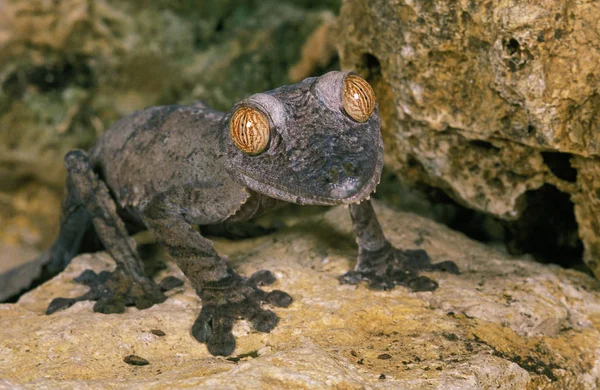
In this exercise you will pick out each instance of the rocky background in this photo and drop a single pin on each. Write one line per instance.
(495, 103)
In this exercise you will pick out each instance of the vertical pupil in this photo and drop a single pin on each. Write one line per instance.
(246, 134)
(242, 129)
(250, 132)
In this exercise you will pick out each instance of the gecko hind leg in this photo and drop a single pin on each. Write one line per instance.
(127, 285)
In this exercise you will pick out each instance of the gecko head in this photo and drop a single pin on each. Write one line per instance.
(314, 142)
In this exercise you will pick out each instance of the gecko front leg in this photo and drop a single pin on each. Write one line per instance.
(382, 265)
(226, 296)
(127, 285)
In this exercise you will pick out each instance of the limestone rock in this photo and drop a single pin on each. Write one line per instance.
(487, 100)
(507, 323)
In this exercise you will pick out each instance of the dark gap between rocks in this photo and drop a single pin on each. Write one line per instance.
(369, 67)
(547, 228)
(560, 165)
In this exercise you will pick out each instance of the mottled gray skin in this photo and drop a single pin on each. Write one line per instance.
(172, 167)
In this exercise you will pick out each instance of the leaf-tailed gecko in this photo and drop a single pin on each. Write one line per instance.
(169, 168)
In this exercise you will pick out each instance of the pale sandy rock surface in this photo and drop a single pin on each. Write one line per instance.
(502, 323)
(488, 100)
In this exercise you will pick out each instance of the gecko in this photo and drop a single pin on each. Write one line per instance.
(170, 169)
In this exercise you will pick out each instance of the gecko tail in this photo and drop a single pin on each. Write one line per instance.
(75, 225)
(19, 279)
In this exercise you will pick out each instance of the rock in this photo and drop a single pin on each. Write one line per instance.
(489, 101)
(504, 322)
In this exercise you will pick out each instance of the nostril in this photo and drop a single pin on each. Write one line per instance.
(334, 175)
(350, 169)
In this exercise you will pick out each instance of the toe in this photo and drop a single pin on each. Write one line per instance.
(262, 277)
(265, 321)
(278, 298)
(221, 344)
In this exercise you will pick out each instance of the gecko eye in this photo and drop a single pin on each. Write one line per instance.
(359, 98)
(250, 131)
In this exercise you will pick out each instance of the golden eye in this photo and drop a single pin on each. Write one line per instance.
(250, 131)
(359, 98)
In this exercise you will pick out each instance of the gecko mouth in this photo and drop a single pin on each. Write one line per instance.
(352, 189)
(343, 188)
(348, 191)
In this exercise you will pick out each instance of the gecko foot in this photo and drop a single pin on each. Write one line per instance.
(113, 291)
(236, 297)
(388, 267)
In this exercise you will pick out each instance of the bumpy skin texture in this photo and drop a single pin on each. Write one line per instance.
(170, 168)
